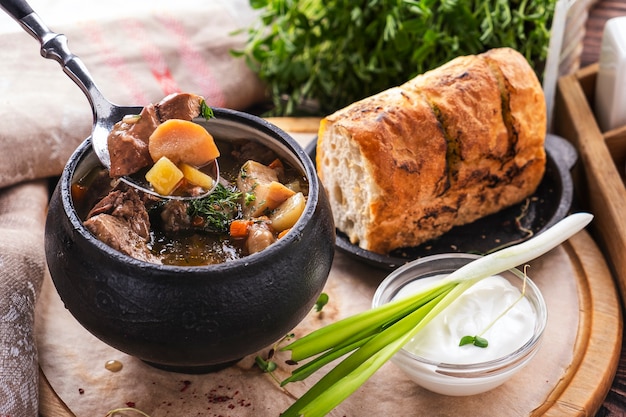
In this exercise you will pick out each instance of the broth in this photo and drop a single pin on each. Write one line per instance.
(182, 233)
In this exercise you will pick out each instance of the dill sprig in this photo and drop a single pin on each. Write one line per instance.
(218, 209)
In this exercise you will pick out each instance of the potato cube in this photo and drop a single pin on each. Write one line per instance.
(287, 214)
(164, 176)
(196, 177)
(262, 190)
(252, 174)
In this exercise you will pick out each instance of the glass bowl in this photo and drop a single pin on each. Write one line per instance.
(467, 374)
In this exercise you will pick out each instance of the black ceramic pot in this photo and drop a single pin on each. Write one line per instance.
(192, 319)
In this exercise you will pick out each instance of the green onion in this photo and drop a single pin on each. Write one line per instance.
(371, 338)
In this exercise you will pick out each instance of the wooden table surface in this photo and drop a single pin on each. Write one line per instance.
(615, 402)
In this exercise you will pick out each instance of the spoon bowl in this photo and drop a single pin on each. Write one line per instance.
(105, 114)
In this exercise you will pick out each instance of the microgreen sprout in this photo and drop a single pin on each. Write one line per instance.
(369, 339)
(322, 300)
(477, 341)
(480, 341)
(268, 365)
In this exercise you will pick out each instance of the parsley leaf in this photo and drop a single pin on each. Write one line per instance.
(206, 111)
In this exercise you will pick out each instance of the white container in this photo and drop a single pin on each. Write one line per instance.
(462, 379)
(610, 98)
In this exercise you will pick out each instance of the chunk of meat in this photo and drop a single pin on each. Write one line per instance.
(128, 141)
(128, 206)
(174, 216)
(116, 233)
(145, 124)
(253, 150)
(259, 237)
(182, 106)
(128, 153)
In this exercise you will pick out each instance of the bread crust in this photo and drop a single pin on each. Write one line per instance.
(450, 146)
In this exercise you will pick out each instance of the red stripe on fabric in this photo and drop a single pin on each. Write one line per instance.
(153, 57)
(112, 59)
(194, 62)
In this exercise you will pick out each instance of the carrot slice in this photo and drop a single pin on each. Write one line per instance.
(182, 141)
(277, 193)
(239, 228)
(276, 163)
(78, 192)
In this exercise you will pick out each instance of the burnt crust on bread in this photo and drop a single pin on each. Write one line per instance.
(450, 146)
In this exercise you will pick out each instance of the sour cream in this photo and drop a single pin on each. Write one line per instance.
(470, 315)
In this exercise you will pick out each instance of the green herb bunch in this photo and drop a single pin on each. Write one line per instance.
(334, 52)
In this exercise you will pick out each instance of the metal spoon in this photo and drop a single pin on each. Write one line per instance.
(105, 114)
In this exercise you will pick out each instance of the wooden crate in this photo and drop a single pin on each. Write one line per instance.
(600, 180)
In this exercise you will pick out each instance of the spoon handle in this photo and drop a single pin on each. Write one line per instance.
(54, 46)
(17, 9)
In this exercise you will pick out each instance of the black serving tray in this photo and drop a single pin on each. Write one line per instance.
(550, 203)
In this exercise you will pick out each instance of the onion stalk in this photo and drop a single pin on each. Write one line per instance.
(372, 337)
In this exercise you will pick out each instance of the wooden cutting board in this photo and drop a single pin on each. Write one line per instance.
(583, 385)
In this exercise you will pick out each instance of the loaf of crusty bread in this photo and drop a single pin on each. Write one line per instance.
(452, 145)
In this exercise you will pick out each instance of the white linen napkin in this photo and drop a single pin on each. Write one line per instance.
(137, 53)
